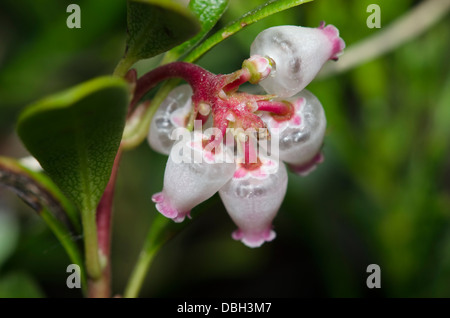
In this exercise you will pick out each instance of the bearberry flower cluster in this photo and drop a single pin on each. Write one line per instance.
(250, 175)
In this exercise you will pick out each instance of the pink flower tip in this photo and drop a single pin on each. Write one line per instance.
(253, 240)
(306, 168)
(165, 208)
(259, 67)
(338, 43)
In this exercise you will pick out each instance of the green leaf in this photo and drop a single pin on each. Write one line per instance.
(261, 12)
(75, 136)
(208, 13)
(155, 26)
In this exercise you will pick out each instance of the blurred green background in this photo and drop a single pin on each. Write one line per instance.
(382, 196)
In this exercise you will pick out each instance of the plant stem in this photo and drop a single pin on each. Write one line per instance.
(65, 237)
(97, 237)
(101, 287)
(122, 67)
(191, 73)
(92, 258)
(97, 231)
(153, 243)
(267, 9)
(196, 76)
(104, 210)
(161, 230)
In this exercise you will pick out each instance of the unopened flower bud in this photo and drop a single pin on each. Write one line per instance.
(259, 67)
(298, 52)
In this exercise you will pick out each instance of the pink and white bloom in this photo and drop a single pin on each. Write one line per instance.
(298, 52)
(284, 60)
(252, 199)
(300, 137)
(188, 183)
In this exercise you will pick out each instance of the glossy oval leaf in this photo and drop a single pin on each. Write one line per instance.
(208, 12)
(156, 26)
(75, 136)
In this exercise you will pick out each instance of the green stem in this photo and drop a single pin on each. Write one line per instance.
(64, 236)
(101, 287)
(153, 243)
(122, 67)
(161, 231)
(93, 267)
(253, 16)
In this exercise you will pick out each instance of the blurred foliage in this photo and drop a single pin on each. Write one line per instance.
(382, 195)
